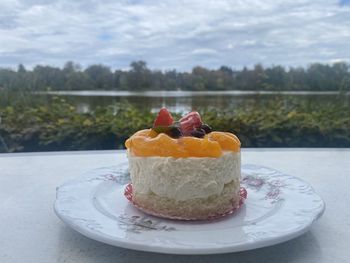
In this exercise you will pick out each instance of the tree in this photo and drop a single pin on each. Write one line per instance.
(139, 77)
(8, 79)
(46, 77)
(317, 76)
(100, 76)
(275, 78)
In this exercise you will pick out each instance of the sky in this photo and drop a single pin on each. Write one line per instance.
(174, 34)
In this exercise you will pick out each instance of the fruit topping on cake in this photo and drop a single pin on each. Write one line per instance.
(187, 137)
(189, 125)
(163, 119)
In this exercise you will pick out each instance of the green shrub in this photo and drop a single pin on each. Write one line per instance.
(58, 126)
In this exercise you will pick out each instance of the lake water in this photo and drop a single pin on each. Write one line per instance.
(184, 101)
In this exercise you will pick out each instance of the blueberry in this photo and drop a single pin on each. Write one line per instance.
(174, 132)
(199, 133)
(206, 128)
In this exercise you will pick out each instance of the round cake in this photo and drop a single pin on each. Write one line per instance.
(184, 169)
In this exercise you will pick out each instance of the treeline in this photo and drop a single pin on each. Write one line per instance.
(316, 77)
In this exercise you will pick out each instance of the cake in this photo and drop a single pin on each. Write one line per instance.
(183, 169)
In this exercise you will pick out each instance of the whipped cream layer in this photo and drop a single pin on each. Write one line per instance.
(184, 178)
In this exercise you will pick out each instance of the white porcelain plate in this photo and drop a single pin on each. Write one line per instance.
(279, 207)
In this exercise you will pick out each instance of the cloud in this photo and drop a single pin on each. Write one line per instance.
(204, 51)
(173, 34)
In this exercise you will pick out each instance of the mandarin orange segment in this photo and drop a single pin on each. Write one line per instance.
(167, 146)
(140, 134)
(152, 133)
(197, 147)
(128, 143)
(234, 137)
(141, 146)
(226, 141)
(149, 143)
(212, 148)
(191, 144)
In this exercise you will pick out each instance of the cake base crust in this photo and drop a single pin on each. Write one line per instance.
(198, 208)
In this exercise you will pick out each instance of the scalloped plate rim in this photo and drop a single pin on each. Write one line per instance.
(141, 246)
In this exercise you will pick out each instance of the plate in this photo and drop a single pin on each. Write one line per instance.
(279, 207)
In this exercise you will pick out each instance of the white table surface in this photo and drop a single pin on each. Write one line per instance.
(30, 231)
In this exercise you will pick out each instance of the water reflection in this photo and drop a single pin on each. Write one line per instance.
(184, 101)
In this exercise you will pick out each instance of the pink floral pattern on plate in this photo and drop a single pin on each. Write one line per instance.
(274, 187)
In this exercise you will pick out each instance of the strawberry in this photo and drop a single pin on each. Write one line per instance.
(164, 118)
(189, 122)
